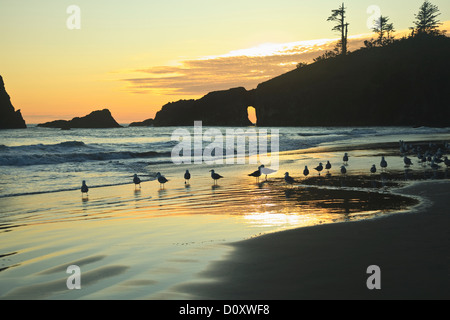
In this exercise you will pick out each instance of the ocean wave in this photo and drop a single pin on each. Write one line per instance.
(363, 131)
(62, 146)
(30, 159)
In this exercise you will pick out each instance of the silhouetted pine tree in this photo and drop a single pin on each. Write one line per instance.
(338, 16)
(384, 29)
(426, 20)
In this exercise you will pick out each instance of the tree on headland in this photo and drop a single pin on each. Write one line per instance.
(301, 65)
(338, 16)
(426, 20)
(384, 29)
(327, 55)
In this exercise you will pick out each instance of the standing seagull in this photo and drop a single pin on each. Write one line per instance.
(187, 177)
(215, 176)
(373, 169)
(407, 161)
(383, 163)
(434, 166)
(343, 170)
(319, 168)
(256, 174)
(84, 188)
(161, 180)
(306, 171)
(345, 159)
(447, 162)
(288, 179)
(328, 166)
(136, 181)
(266, 171)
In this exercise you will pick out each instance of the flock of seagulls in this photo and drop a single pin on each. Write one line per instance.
(432, 156)
(429, 156)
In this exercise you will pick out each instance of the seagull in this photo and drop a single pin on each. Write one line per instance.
(306, 171)
(266, 171)
(319, 168)
(161, 180)
(407, 161)
(447, 161)
(434, 166)
(84, 188)
(215, 176)
(187, 176)
(383, 163)
(136, 181)
(328, 166)
(343, 170)
(373, 169)
(423, 160)
(345, 158)
(288, 179)
(256, 174)
(437, 159)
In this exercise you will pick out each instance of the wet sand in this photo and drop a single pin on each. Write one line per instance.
(330, 261)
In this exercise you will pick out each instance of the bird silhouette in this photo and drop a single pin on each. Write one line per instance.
(256, 174)
(161, 179)
(137, 181)
(187, 177)
(84, 188)
(407, 161)
(215, 176)
(328, 166)
(319, 168)
(447, 161)
(345, 158)
(288, 178)
(306, 171)
(383, 163)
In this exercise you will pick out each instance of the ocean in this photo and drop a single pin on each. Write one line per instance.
(143, 243)
(43, 160)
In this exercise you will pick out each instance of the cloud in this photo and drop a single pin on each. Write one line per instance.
(246, 67)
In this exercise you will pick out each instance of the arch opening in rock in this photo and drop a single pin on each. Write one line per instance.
(251, 111)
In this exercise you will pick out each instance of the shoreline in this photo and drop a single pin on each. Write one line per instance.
(330, 261)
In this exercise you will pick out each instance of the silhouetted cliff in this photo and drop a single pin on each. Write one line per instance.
(219, 108)
(405, 83)
(9, 118)
(96, 119)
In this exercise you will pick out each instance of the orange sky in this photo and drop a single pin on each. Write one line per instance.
(120, 59)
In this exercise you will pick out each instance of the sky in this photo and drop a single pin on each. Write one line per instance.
(134, 56)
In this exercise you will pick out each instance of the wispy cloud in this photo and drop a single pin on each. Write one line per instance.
(246, 67)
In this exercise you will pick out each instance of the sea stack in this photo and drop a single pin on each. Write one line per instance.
(145, 123)
(9, 117)
(96, 119)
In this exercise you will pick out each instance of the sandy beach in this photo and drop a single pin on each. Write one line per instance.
(331, 261)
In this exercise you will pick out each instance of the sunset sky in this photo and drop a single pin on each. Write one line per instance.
(135, 56)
